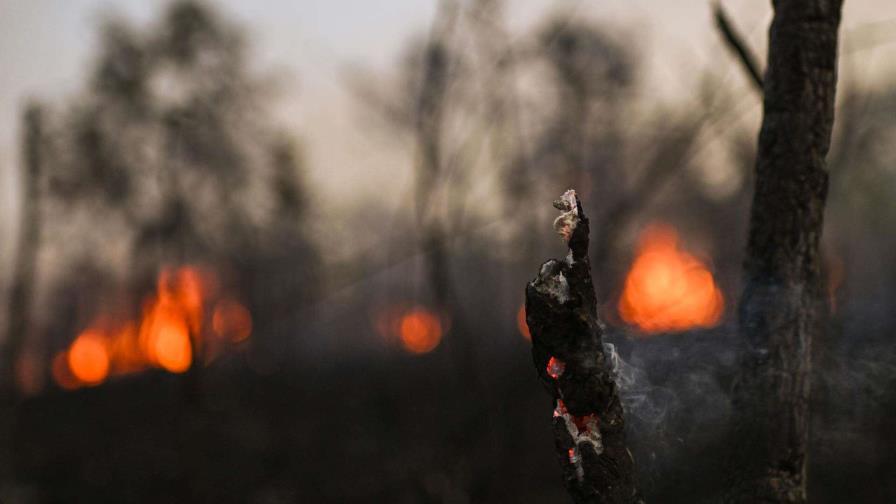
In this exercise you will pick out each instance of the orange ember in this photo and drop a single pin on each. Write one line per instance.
(88, 358)
(521, 322)
(555, 367)
(668, 289)
(420, 331)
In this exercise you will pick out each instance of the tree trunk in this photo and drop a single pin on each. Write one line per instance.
(782, 305)
(22, 287)
(568, 349)
(21, 291)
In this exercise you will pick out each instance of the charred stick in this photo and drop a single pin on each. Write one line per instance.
(568, 350)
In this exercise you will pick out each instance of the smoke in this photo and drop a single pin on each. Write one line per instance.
(676, 393)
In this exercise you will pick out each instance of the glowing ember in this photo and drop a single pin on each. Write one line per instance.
(420, 331)
(560, 409)
(667, 289)
(555, 367)
(521, 322)
(88, 358)
(586, 422)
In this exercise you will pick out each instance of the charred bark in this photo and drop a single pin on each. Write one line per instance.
(568, 350)
(782, 303)
(738, 46)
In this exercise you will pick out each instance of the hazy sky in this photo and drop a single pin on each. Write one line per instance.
(45, 45)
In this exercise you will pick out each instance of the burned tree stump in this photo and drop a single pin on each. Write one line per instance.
(569, 355)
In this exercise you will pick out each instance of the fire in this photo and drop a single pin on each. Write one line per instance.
(88, 358)
(668, 289)
(175, 327)
(421, 331)
(417, 329)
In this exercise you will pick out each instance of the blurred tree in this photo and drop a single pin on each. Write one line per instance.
(21, 292)
(170, 150)
(782, 307)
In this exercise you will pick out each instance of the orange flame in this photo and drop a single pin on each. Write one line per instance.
(417, 329)
(168, 335)
(667, 289)
(420, 330)
(88, 358)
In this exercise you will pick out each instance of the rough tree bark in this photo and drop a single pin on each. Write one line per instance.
(568, 350)
(782, 304)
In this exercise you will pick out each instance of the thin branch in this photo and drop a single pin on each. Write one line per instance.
(738, 46)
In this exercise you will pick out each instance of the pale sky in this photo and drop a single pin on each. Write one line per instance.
(45, 45)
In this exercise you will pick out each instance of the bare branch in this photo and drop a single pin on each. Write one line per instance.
(738, 46)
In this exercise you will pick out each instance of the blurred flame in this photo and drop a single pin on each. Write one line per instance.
(421, 331)
(417, 329)
(667, 289)
(168, 334)
(165, 329)
(521, 322)
(88, 358)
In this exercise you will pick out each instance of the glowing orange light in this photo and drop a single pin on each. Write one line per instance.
(667, 289)
(168, 334)
(88, 358)
(521, 322)
(420, 331)
(555, 367)
(165, 338)
(232, 320)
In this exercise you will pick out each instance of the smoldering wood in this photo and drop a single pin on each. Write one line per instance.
(782, 304)
(561, 312)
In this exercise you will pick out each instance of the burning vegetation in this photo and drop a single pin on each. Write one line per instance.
(184, 322)
(668, 289)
